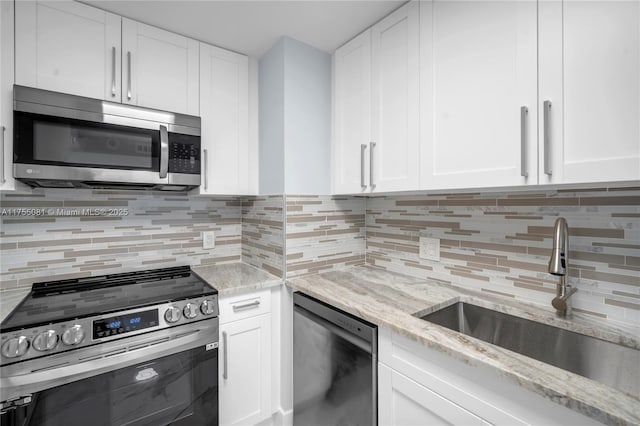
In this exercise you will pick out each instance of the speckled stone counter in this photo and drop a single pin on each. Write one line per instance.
(9, 299)
(236, 278)
(396, 302)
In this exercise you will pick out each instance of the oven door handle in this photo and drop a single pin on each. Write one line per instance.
(29, 382)
(164, 151)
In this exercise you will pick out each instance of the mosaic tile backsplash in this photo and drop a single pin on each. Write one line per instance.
(70, 233)
(324, 233)
(500, 243)
(263, 233)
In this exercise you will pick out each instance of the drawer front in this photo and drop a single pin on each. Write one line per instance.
(245, 306)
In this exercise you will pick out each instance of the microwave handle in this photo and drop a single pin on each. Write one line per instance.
(164, 151)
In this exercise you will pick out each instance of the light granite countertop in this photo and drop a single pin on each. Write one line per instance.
(236, 278)
(396, 302)
(10, 299)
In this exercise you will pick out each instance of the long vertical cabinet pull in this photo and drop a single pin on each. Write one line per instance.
(129, 75)
(373, 145)
(547, 137)
(113, 71)
(363, 148)
(225, 374)
(2, 129)
(523, 141)
(206, 169)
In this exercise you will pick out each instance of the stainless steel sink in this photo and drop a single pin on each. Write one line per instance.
(606, 362)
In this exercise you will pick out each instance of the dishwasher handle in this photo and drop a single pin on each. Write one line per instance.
(344, 334)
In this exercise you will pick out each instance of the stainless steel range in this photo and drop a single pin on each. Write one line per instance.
(126, 349)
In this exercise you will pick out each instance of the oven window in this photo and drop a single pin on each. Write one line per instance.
(180, 390)
(48, 140)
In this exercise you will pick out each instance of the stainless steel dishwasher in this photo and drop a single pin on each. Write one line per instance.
(334, 366)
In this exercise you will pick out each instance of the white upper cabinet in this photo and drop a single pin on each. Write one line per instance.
(394, 151)
(478, 94)
(590, 89)
(352, 115)
(224, 108)
(73, 48)
(7, 183)
(159, 69)
(68, 47)
(376, 101)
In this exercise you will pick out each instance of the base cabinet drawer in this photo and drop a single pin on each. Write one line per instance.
(405, 402)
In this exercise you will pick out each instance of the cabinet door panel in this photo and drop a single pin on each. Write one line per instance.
(404, 402)
(395, 100)
(224, 108)
(68, 47)
(7, 183)
(160, 69)
(484, 71)
(245, 392)
(590, 71)
(352, 115)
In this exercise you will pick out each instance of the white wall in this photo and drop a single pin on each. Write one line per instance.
(271, 120)
(295, 119)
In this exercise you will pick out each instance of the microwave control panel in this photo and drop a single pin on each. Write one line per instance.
(184, 154)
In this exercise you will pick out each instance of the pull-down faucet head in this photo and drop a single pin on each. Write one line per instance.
(558, 265)
(559, 254)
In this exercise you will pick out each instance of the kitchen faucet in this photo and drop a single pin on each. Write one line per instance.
(559, 265)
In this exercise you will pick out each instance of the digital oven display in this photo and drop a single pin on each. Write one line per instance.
(122, 324)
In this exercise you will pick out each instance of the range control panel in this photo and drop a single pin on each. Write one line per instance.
(49, 339)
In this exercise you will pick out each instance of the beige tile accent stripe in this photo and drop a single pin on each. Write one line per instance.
(263, 233)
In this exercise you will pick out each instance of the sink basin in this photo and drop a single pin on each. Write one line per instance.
(609, 363)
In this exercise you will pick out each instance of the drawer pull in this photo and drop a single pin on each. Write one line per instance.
(246, 306)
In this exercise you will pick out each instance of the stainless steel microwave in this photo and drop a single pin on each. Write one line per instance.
(63, 140)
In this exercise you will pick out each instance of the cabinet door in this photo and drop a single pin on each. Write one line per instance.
(245, 371)
(159, 69)
(401, 401)
(224, 108)
(352, 115)
(68, 47)
(590, 75)
(395, 101)
(7, 183)
(483, 73)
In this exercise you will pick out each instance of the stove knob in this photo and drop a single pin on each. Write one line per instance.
(45, 341)
(172, 314)
(208, 307)
(190, 311)
(15, 347)
(73, 336)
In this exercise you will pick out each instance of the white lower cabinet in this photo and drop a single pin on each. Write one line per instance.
(408, 403)
(422, 386)
(245, 359)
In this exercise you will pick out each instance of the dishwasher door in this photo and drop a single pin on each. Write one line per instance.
(334, 366)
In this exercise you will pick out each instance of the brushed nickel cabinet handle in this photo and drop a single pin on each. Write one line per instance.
(246, 306)
(206, 170)
(523, 141)
(363, 148)
(225, 372)
(3, 153)
(129, 75)
(113, 71)
(547, 138)
(164, 151)
(373, 145)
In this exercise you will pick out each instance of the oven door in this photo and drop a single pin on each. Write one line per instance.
(179, 389)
